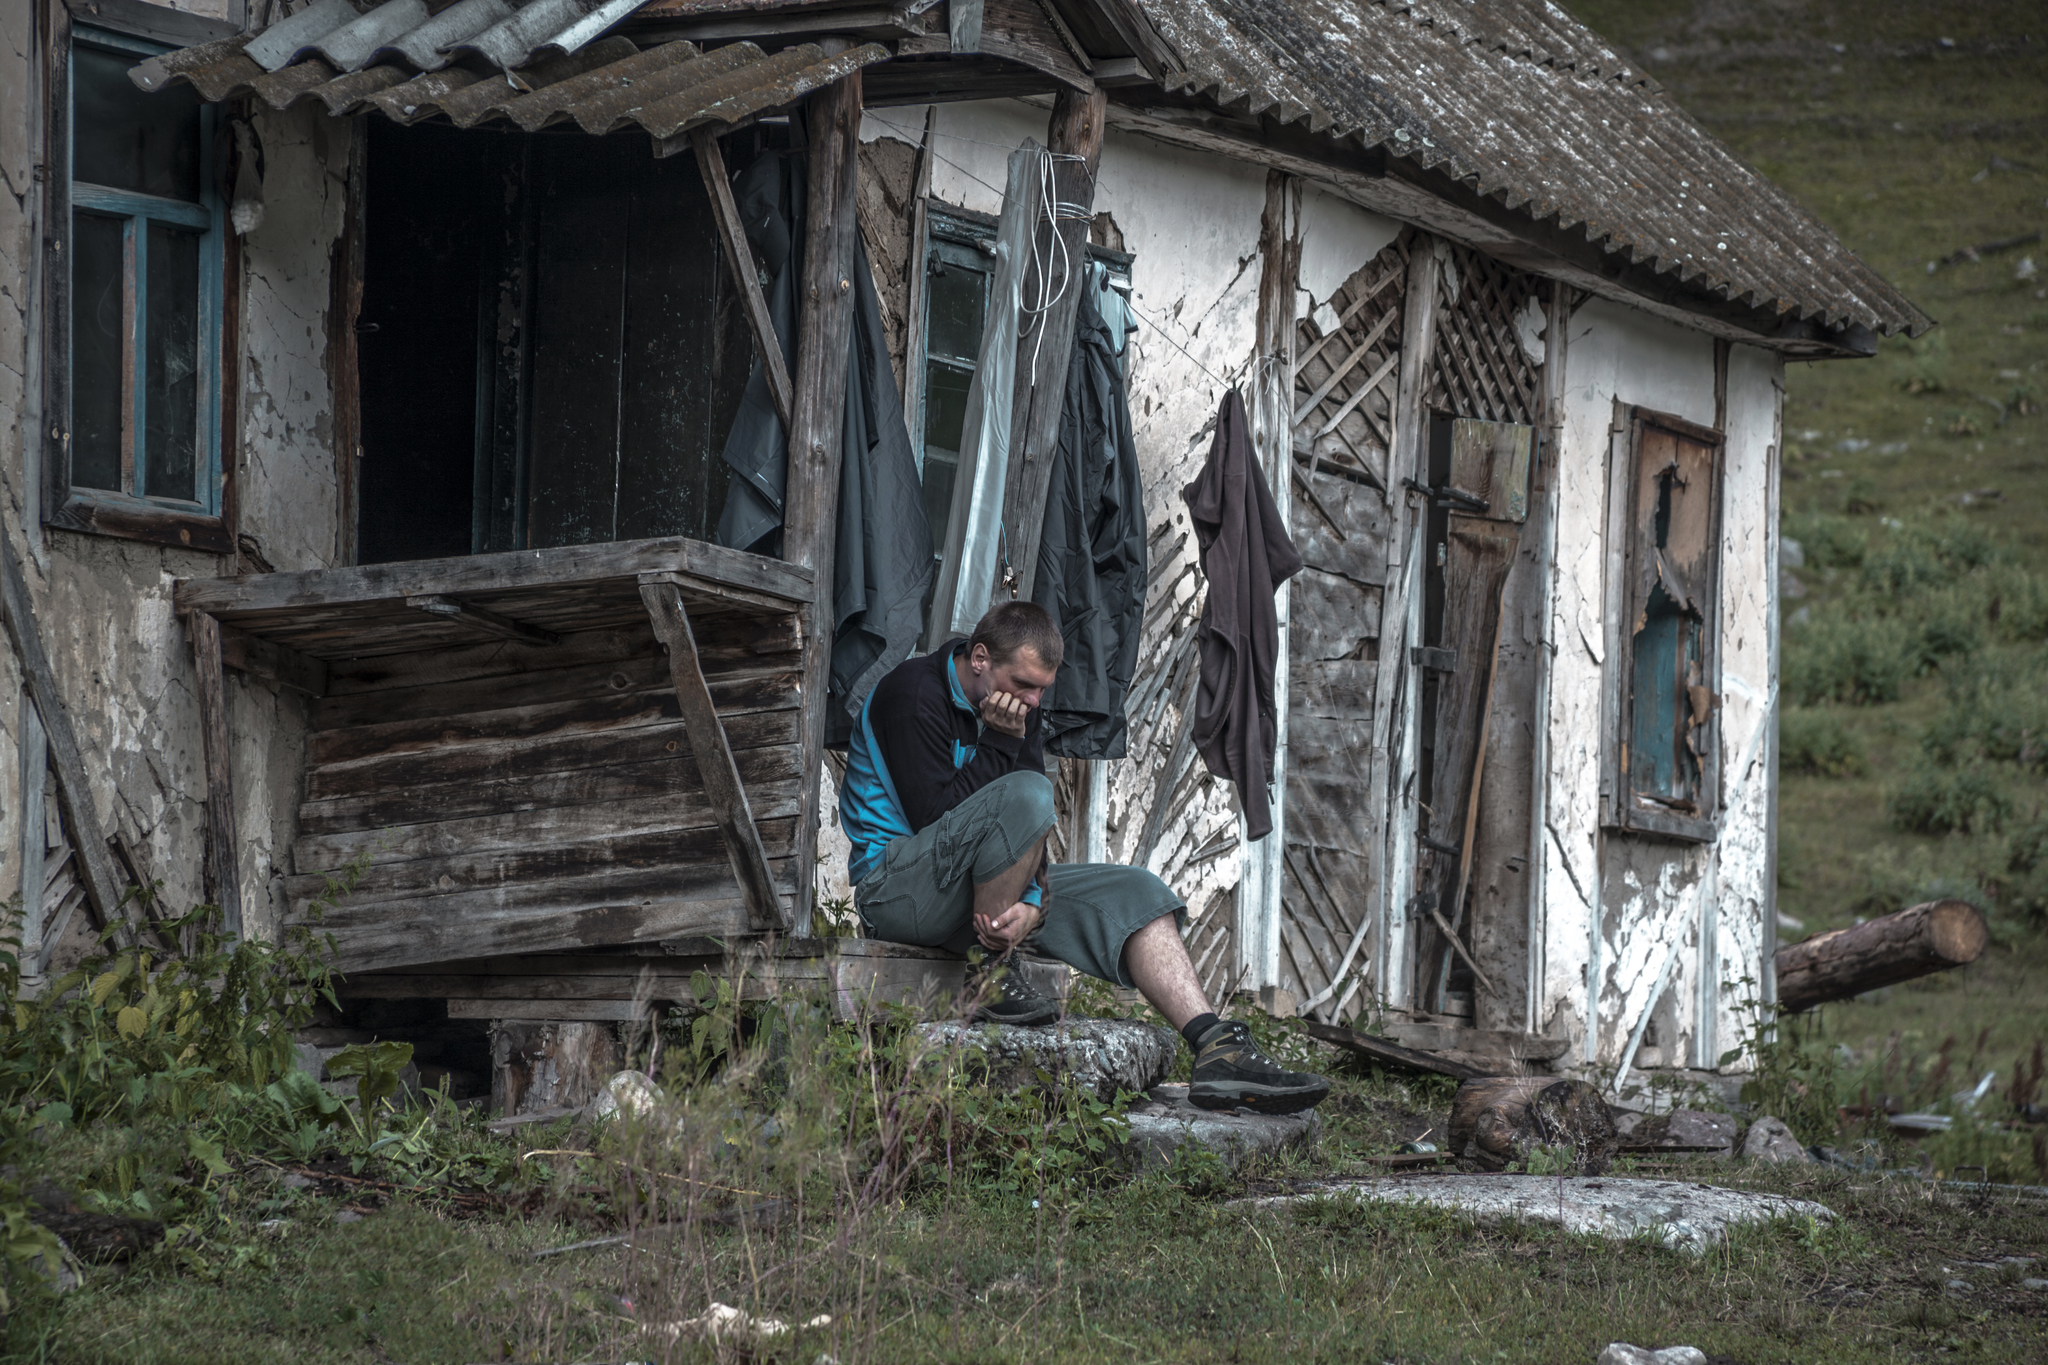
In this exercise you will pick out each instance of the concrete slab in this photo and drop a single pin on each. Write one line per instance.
(1165, 1122)
(1682, 1216)
(1098, 1055)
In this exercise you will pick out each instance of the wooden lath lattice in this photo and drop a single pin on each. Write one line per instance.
(1480, 368)
(1319, 924)
(1344, 379)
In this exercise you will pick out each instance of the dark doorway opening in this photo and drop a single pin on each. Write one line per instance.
(550, 347)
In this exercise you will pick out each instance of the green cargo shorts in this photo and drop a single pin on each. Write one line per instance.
(923, 890)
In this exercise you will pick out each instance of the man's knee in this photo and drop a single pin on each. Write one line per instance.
(1027, 797)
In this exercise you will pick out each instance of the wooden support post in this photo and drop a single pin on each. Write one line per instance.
(733, 233)
(74, 793)
(715, 766)
(469, 614)
(1259, 901)
(811, 503)
(223, 845)
(35, 841)
(1043, 350)
(281, 664)
(1396, 711)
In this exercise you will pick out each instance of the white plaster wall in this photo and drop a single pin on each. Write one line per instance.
(103, 605)
(1613, 904)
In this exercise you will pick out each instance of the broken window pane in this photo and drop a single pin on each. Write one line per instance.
(1673, 588)
(171, 355)
(99, 329)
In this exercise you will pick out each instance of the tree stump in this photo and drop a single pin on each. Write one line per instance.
(1500, 1120)
(1847, 962)
(538, 1066)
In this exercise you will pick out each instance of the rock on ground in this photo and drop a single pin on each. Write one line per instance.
(1682, 1216)
(1098, 1055)
(1621, 1353)
(1770, 1139)
(1165, 1122)
(1686, 1128)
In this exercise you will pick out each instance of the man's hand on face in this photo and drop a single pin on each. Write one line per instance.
(1000, 933)
(1005, 714)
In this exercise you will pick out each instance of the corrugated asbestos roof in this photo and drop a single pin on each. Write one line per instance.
(541, 63)
(1525, 104)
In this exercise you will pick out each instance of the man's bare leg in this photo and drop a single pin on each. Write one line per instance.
(1157, 962)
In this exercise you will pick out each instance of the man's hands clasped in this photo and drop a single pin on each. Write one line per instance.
(1005, 714)
(1000, 933)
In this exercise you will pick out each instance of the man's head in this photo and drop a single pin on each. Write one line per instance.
(1015, 648)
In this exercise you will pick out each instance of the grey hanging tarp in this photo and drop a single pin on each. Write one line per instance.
(883, 562)
(1091, 554)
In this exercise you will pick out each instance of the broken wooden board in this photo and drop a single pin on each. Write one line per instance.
(1386, 1052)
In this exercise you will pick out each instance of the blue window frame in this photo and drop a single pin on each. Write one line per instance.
(146, 265)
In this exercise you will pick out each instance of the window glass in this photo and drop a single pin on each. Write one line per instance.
(945, 414)
(959, 297)
(171, 399)
(98, 327)
(127, 140)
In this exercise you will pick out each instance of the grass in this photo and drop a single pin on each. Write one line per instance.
(1165, 1268)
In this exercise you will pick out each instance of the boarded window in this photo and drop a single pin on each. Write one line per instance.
(1663, 778)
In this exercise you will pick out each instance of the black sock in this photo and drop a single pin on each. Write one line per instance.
(1197, 1026)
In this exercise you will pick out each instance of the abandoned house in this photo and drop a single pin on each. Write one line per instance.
(373, 374)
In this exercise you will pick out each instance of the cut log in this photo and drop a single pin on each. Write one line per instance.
(1496, 1121)
(1847, 962)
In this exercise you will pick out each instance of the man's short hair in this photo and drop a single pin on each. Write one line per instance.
(1011, 626)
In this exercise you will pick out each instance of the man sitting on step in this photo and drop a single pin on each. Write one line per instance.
(948, 807)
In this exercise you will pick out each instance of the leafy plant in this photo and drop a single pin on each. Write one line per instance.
(1938, 801)
(379, 1069)
(1817, 744)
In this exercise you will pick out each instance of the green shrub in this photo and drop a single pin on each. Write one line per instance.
(1858, 661)
(1950, 801)
(2026, 893)
(1817, 744)
(1998, 711)
(1829, 542)
(1920, 555)
(2018, 608)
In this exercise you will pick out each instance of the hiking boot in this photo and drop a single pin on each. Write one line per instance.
(1002, 994)
(1232, 1073)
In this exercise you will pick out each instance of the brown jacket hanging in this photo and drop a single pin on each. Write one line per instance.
(1246, 555)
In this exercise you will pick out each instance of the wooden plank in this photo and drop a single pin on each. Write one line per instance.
(673, 775)
(575, 917)
(35, 839)
(454, 610)
(74, 793)
(1044, 351)
(566, 567)
(281, 664)
(473, 763)
(1396, 693)
(722, 785)
(1478, 555)
(733, 234)
(223, 846)
(642, 671)
(616, 819)
(824, 332)
(622, 706)
(547, 859)
(1388, 1053)
(584, 1011)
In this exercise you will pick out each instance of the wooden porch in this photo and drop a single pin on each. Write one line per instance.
(535, 752)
